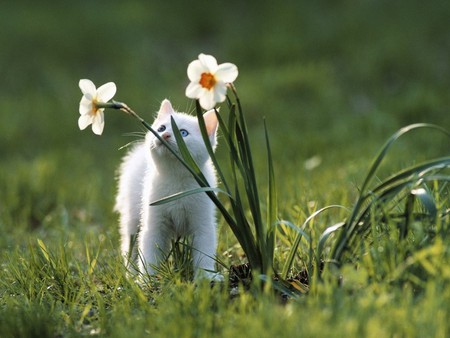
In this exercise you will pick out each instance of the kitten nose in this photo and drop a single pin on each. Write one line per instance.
(165, 136)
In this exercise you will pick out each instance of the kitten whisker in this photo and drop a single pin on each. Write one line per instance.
(139, 134)
(136, 134)
(190, 108)
(130, 144)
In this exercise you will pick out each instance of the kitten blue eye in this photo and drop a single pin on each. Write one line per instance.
(161, 129)
(184, 132)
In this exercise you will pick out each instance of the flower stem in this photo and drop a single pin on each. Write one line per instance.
(123, 107)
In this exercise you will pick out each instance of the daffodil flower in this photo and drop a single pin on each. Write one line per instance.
(209, 80)
(90, 111)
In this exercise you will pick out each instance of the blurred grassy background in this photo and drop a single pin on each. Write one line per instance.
(333, 78)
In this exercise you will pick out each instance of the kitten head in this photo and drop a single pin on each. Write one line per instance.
(189, 129)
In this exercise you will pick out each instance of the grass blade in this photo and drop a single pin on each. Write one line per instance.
(272, 207)
(300, 234)
(324, 236)
(427, 201)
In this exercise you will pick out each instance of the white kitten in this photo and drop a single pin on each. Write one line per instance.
(150, 172)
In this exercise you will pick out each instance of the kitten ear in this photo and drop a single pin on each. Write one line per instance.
(211, 123)
(165, 109)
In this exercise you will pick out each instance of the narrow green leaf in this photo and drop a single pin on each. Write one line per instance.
(182, 194)
(230, 143)
(301, 233)
(323, 238)
(416, 170)
(173, 150)
(272, 207)
(243, 232)
(43, 250)
(186, 154)
(346, 235)
(208, 145)
(427, 201)
(390, 142)
(250, 175)
(297, 229)
(251, 189)
(404, 226)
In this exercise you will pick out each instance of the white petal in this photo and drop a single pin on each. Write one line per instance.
(85, 106)
(98, 123)
(84, 121)
(220, 90)
(87, 87)
(209, 62)
(100, 116)
(194, 90)
(106, 92)
(207, 100)
(195, 70)
(89, 96)
(97, 128)
(227, 72)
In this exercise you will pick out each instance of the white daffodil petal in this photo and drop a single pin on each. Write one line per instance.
(85, 106)
(207, 100)
(98, 123)
(84, 121)
(195, 70)
(89, 96)
(220, 90)
(209, 62)
(100, 116)
(227, 72)
(97, 128)
(106, 92)
(87, 87)
(194, 90)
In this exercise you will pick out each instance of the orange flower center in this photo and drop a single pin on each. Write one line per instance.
(207, 80)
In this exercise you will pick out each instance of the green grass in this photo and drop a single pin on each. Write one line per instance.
(334, 81)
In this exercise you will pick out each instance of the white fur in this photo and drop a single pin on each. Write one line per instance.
(150, 172)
